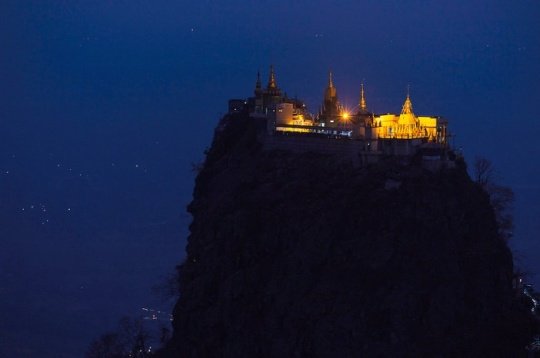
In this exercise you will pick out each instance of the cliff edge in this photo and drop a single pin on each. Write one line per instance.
(305, 255)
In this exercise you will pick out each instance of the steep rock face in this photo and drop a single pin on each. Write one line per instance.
(301, 255)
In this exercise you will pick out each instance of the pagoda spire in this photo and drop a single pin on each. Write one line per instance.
(258, 87)
(407, 106)
(330, 94)
(258, 83)
(272, 78)
(407, 116)
(363, 104)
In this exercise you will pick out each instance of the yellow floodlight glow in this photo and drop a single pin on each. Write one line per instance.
(345, 115)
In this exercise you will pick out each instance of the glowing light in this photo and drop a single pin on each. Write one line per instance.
(345, 115)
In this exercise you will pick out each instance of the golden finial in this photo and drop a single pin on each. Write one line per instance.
(330, 81)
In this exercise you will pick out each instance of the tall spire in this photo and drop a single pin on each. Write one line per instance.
(272, 79)
(407, 106)
(363, 104)
(330, 94)
(258, 87)
(258, 83)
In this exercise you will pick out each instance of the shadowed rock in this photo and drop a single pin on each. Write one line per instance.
(304, 255)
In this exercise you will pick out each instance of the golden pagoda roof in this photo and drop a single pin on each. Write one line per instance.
(407, 115)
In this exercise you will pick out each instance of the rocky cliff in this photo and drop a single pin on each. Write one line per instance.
(304, 255)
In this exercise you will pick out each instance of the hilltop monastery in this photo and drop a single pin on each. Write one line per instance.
(396, 134)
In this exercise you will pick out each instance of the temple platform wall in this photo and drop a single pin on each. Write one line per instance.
(353, 151)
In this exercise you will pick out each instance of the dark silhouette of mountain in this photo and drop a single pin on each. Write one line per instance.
(305, 255)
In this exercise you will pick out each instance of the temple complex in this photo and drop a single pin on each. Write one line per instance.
(403, 134)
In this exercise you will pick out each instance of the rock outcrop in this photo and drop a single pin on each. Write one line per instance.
(304, 255)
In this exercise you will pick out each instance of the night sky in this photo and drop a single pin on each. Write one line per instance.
(106, 105)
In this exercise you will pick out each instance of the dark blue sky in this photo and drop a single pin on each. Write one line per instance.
(104, 105)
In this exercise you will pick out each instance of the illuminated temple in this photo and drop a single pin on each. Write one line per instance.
(289, 122)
